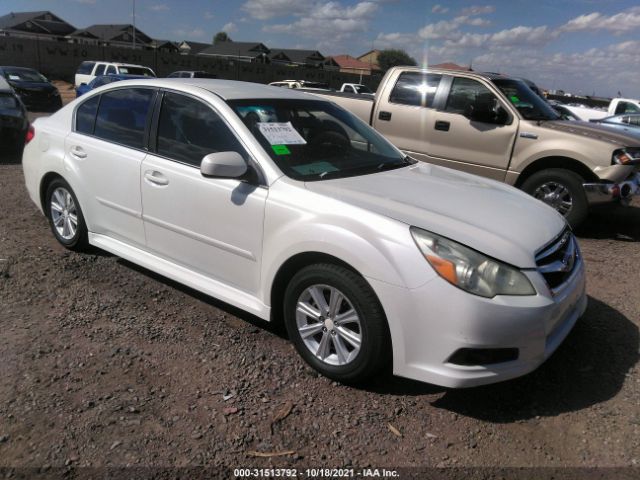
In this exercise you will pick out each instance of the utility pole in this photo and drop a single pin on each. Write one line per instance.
(134, 24)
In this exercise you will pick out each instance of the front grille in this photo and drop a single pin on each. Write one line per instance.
(557, 260)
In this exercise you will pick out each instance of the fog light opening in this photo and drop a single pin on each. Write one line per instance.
(483, 356)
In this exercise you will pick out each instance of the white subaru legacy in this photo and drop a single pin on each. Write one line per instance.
(291, 208)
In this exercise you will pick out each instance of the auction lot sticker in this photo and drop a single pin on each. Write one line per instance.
(279, 133)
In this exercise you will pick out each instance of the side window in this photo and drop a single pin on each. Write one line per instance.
(111, 70)
(188, 130)
(631, 108)
(122, 116)
(100, 69)
(635, 120)
(415, 88)
(85, 68)
(465, 93)
(86, 115)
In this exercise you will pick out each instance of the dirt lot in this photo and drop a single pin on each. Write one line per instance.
(103, 363)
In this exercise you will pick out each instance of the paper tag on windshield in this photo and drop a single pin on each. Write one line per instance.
(14, 77)
(280, 133)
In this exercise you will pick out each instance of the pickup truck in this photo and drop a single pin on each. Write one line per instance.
(497, 127)
(357, 88)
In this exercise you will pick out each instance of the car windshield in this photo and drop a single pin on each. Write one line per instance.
(528, 103)
(142, 71)
(314, 140)
(23, 75)
(362, 89)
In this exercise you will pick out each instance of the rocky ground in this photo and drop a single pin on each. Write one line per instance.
(106, 364)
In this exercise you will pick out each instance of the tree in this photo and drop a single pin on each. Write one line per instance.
(392, 58)
(221, 37)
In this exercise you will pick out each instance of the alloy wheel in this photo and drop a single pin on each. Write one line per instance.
(64, 213)
(556, 196)
(329, 325)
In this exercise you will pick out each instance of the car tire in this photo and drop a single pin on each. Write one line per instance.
(65, 216)
(562, 190)
(358, 344)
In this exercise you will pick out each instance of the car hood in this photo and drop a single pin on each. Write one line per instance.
(596, 131)
(488, 216)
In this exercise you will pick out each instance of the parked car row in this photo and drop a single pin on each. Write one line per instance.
(13, 119)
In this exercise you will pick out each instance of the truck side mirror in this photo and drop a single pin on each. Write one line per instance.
(487, 110)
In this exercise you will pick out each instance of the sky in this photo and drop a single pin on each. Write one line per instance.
(582, 46)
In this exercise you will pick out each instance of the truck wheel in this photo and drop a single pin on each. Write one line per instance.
(562, 190)
(336, 323)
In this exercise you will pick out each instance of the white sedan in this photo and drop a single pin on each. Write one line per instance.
(291, 208)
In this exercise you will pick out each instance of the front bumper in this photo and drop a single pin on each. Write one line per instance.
(431, 323)
(599, 193)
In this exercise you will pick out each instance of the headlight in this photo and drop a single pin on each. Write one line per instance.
(469, 270)
(626, 156)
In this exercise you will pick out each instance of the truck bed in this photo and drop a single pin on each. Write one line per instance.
(360, 105)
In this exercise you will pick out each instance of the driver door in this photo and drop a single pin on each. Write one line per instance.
(477, 147)
(212, 226)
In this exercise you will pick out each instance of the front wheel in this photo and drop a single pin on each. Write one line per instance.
(336, 323)
(562, 190)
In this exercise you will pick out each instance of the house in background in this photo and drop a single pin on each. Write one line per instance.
(116, 35)
(451, 66)
(42, 25)
(187, 47)
(349, 64)
(296, 57)
(254, 52)
(371, 57)
(164, 46)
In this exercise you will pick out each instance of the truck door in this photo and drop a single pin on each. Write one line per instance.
(473, 131)
(404, 117)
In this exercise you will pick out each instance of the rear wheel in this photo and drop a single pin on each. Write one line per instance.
(336, 323)
(65, 216)
(562, 190)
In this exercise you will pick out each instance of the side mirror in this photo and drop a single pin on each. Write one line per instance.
(487, 110)
(223, 165)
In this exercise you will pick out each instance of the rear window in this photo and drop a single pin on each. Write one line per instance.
(86, 68)
(122, 116)
(416, 89)
(142, 71)
(7, 100)
(86, 115)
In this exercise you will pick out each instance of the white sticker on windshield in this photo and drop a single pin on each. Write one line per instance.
(280, 133)
(14, 77)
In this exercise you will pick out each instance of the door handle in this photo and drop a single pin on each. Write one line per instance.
(78, 152)
(386, 116)
(442, 125)
(156, 178)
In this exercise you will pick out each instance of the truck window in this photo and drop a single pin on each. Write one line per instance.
(626, 107)
(415, 88)
(464, 93)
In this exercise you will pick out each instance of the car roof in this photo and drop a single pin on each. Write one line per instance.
(226, 89)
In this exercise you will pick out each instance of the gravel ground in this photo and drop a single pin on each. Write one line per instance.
(103, 363)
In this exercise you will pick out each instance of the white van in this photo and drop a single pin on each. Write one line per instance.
(89, 70)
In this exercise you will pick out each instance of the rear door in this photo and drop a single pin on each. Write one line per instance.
(105, 150)
(458, 142)
(404, 118)
(209, 225)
